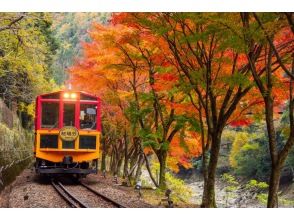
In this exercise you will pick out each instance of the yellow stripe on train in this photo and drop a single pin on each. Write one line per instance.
(57, 152)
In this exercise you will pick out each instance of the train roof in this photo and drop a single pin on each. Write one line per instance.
(51, 94)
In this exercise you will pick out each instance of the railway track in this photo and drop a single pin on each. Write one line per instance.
(67, 196)
(74, 202)
(116, 204)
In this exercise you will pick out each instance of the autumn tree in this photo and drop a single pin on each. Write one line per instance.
(183, 74)
(130, 61)
(275, 36)
(212, 69)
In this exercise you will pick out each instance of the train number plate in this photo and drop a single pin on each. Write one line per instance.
(68, 133)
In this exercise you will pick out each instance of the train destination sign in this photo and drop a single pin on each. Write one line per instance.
(68, 133)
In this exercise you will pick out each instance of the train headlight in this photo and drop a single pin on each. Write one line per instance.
(66, 95)
(73, 95)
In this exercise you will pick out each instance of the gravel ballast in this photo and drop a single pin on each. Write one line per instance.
(31, 191)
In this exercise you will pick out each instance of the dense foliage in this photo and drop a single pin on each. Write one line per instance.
(26, 52)
(174, 81)
(69, 30)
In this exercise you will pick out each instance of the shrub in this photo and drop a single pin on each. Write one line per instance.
(254, 184)
(180, 191)
(241, 138)
(259, 188)
(253, 161)
(231, 187)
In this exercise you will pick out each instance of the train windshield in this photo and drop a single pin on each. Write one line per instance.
(69, 115)
(88, 114)
(50, 115)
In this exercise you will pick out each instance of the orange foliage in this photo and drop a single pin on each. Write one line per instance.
(182, 155)
(117, 49)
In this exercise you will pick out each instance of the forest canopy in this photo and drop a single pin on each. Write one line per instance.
(171, 83)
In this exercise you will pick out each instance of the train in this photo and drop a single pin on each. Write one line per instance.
(67, 133)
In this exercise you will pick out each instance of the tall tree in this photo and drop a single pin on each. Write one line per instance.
(129, 60)
(276, 82)
(211, 67)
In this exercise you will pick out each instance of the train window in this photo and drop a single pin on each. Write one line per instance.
(68, 144)
(86, 97)
(49, 141)
(50, 113)
(87, 142)
(88, 114)
(69, 115)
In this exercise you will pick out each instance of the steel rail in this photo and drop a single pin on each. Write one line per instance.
(117, 204)
(67, 196)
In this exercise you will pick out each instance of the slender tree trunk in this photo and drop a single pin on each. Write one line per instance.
(275, 168)
(103, 159)
(162, 169)
(139, 168)
(134, 160)
(277, 160)
(126, 159)
(119, 165)
(209, 187)
(204, 147)
(149, 171)
(274, 187)
(113, 162)
(205, 174)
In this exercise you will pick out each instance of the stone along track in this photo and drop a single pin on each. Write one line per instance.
(81, 195)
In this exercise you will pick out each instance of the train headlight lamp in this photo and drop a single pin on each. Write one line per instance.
(73, 95)
(66, 95)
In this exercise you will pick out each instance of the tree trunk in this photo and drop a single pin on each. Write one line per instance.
(162, 162)
(139, 169)
(274, 183)
(119, 165)
(204, 173)
(134, 157)
(113, 162)
(149, 170)
(209, 187)
(272, 201)
(103, 159)
(126, 159)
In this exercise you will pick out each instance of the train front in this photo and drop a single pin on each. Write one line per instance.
(67, 133)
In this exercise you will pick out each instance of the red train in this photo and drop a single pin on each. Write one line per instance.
(67, 133)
